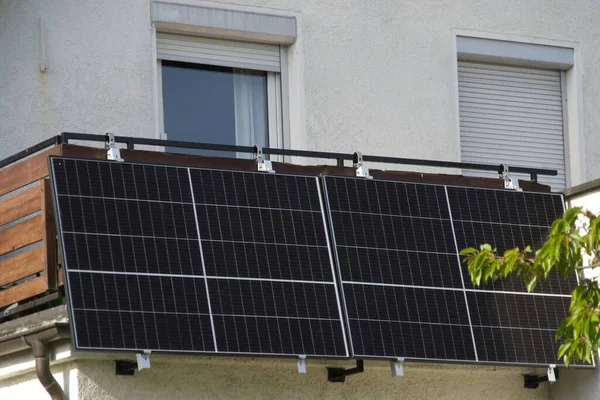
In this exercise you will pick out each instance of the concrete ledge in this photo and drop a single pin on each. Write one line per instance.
(222, 23)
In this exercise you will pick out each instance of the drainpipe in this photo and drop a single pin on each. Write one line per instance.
(42, 369)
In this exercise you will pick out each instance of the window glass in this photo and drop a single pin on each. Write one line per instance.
(214, 105)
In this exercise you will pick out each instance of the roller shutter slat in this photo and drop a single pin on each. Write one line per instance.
(226, 53)
(512, 115)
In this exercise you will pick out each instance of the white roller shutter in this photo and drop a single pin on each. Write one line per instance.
(512, 115)
(226, 53)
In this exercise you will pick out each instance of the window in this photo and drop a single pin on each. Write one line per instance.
(512, 107)
(214, 105)
(220, 91)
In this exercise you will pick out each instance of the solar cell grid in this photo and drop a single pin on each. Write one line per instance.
(174, 259)
(516, 219)
(182, 259)
(406, 291)
(283, 239)
(394, 245)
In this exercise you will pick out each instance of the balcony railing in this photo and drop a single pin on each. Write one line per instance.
(28, 248)
(30, 267)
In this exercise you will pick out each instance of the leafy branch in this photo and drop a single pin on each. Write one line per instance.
(573, 239)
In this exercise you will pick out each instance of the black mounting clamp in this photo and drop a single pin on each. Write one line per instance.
(533, 381)
(339, 374)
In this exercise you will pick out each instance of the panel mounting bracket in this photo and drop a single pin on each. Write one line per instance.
(361, 170)
(143, 360)
(533, 381)
(112, 151)
(262, 164)
(509, 183)
(397, 367)
(340, 374)
(301, 364)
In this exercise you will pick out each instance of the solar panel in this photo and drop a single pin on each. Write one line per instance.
(177, 259)
(510, 325)
(407, 294)
(507, 218)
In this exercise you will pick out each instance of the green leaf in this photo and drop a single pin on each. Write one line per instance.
(530, 285)
(468, 250)
(486, 247)
(579, 332)
(563, 349)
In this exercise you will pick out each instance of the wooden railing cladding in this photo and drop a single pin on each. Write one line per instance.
(27, 218)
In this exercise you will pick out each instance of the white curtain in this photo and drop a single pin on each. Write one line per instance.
(250, 100)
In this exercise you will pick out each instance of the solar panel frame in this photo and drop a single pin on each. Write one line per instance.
(465, 289)
(334, 264)
(342, 282)
(204, 277)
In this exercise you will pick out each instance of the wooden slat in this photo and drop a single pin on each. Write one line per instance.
(22, 265)
(23, 291)
(20, 205)
(21, 234)
(60, 278)
(26, 171)
(50, 242)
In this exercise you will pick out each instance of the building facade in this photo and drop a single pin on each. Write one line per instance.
(483, 82)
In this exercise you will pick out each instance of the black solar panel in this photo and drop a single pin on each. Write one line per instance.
(405, 290)
(507, 218)
(180, 259)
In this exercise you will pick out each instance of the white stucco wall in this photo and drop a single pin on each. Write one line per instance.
(99, 76)
(219, 378)
(589, 201)
(378, 77)
(573, 384)
(184, 377)
(374, 76)
(578, 384)
(27, 386)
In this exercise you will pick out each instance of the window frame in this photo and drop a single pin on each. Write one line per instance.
(275, 107)
(571, 89)
(249, 24)
(509, 151)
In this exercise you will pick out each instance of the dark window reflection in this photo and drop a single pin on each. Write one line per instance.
(210, 104)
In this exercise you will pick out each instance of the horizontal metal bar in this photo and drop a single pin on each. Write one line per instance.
(66, 136)
(30, 150)
(307, 153)
(339, 157)
(452, 164)
(182, 144)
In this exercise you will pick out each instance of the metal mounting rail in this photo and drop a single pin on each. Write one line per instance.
(131, 142)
